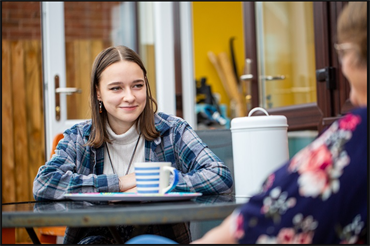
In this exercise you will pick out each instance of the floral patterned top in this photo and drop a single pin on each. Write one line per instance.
(319, 196)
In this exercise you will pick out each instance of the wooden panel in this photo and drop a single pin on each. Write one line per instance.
(96, 48)
(70, 79)
(77, 58)
(20, 119)
(150, 68)
(8, 178)
(83, 79)
(23, 142)
(35, 116)
(79, 62)
(20, 129)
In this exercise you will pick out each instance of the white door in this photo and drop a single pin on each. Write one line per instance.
(54, 72)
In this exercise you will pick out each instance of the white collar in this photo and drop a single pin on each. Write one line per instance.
(126, 138)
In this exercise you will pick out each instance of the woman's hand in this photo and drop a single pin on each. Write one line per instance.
(132, 190)
(127, 183)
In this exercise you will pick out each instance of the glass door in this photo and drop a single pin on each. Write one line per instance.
(286, 53)
(293, 40)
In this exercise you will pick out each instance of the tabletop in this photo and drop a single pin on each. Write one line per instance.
(88, 213)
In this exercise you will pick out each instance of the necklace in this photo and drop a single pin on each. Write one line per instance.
(132, 156)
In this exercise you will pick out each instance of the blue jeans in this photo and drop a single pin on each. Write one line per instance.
(150, 239)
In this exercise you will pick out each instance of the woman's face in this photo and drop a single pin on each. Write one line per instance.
(357, 77)
(122, 90)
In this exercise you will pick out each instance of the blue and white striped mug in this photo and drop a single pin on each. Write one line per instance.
(153, 177)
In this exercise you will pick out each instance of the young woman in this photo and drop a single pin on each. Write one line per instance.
(98, 155)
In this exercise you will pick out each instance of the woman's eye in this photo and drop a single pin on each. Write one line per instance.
(138, 85)
(115, 88)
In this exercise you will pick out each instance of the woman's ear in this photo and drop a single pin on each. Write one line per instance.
(98, 93)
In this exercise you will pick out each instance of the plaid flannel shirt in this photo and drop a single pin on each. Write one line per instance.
(77, 168)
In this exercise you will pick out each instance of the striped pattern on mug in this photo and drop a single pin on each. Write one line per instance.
(147, 179)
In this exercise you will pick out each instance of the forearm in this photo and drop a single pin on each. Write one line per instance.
(221, 234)
(52, 183)
(208, 182)
(207, 174)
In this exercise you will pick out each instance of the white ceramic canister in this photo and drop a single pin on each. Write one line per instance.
(260, 145)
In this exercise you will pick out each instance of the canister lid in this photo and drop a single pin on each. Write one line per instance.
(258, 121)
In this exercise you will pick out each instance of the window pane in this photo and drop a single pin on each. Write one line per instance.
(286, 53)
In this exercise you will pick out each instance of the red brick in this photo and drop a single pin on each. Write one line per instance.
(16, 14)
(10, 24)
(83, 19)
(4, 34)
(11, 5)
(30, 5)
(30, 23)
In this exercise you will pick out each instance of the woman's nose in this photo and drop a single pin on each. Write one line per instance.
(128, 96)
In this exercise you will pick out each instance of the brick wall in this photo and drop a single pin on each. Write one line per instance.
(20, 20)
(83, 20)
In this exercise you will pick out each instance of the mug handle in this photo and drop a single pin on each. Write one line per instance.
(175, 180)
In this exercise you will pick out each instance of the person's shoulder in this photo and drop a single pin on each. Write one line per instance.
(168, 117)
(82, 128)
(165, 121)
(355, 117)
(361, 111)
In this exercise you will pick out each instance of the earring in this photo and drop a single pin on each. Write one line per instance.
(100, 107)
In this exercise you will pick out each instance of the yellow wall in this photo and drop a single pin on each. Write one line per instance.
(214, 23)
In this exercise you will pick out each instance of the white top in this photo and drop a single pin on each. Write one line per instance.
(121, 151)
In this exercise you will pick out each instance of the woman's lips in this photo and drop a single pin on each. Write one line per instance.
(129, 108)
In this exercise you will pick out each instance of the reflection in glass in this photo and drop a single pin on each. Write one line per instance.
(286, 53)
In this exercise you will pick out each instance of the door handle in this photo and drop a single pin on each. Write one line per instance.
(68, 90)
(268, 77)
(246, 77)
(247, 70)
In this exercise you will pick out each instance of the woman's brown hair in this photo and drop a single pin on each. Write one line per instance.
(145, 121)
(352, 27)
